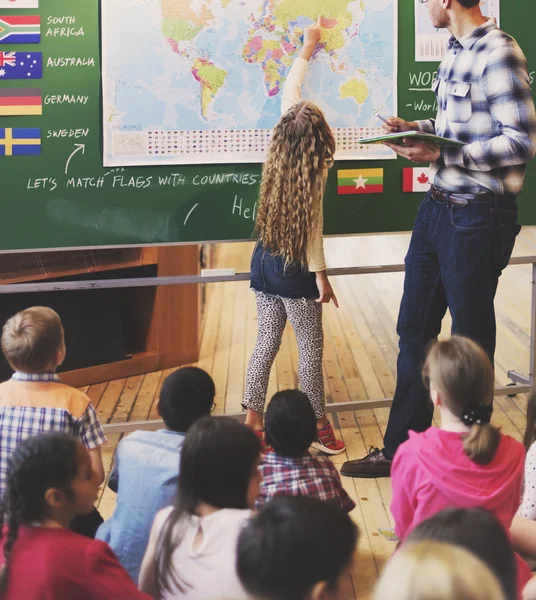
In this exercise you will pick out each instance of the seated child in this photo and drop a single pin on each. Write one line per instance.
(192, 547)
(290, 470)
(466, 462)
(34, 400)
(476, 530)
(147, 466)
(426, 570)
(523, 530)
(280, 551)
(49, 481)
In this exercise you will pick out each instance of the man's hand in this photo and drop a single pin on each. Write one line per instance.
(396, 125)
(416, 151)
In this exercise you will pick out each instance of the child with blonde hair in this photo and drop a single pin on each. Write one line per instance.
(466, 462)
(35, 400)
(435, 570)
(288, 269)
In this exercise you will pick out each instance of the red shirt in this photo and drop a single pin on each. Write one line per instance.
(54, 564)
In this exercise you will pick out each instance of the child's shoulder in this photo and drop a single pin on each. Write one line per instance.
(511, 445)
(44, 395)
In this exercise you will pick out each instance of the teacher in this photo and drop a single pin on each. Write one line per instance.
(466, 226)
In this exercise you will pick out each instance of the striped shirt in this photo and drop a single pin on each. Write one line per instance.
(484, 99)
(31, 405)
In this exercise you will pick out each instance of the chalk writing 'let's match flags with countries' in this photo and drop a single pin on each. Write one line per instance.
(19, 3)
(360, 181)
(20, 29)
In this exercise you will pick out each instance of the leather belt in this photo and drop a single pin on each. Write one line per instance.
(466, 199)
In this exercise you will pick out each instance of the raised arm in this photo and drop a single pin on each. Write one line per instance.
(292, 88)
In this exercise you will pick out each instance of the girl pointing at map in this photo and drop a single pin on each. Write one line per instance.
(288, 270)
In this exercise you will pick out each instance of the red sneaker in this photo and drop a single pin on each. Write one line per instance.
(260, 434)
(326, 441)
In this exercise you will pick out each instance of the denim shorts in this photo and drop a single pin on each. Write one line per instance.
(270, 275)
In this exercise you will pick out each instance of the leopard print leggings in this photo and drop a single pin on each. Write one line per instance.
(305, 316)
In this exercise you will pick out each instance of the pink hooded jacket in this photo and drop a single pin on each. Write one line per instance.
(431, 472)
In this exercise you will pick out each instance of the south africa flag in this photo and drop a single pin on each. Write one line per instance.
(360, 181)
(20, 29)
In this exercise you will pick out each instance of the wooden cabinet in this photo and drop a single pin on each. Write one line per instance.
(160, 325)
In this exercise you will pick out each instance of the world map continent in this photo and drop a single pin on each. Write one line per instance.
(274, 37)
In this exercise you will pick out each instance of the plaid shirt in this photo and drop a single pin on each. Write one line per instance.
(304, 476)
(18, 423)
(484, 99)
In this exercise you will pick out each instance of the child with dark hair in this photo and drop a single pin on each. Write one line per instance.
(476, 530)
(191, 551)
(278, 553)
(51, 480)
(146, 465)
(290, 470)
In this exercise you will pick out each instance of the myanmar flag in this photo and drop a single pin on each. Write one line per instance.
(20, 29)
(360, 181)
(21, 101)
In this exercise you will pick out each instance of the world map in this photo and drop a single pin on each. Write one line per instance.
(201, 80)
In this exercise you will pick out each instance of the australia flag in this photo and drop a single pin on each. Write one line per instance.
(21, 65)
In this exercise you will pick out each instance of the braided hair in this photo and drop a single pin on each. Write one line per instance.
(38, 464)
(302, 147)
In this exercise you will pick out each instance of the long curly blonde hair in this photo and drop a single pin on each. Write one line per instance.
(302, 147)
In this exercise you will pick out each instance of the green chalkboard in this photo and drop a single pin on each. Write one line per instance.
(43, 206)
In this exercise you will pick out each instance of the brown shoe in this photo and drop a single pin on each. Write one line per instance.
(373, 465)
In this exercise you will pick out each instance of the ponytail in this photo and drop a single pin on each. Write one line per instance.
(481, 443)
(463, 375)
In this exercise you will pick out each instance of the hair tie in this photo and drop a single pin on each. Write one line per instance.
(481, 415)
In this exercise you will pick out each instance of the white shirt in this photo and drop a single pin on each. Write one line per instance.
(528, 506)
(208, 570)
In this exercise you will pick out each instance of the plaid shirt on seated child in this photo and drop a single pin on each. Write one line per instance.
(32, 404)
(302, 476)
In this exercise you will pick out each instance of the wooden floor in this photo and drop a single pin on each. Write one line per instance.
(360, 363)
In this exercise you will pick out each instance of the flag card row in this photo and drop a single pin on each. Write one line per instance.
(370, 181)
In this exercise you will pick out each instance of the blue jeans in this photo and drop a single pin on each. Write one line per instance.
(270, 275)
(454, 261)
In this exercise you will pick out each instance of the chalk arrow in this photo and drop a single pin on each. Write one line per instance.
(77, 147)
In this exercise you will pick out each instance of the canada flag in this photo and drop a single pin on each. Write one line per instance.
(416, 179)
